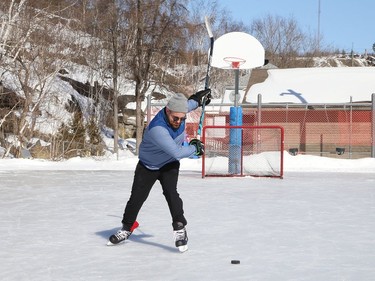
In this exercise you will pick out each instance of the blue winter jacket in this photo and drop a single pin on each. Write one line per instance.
(161, 144)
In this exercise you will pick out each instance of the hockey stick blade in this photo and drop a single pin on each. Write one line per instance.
(208, 27)
(210, 34)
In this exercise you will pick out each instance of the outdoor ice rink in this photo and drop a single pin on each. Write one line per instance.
(307, 226)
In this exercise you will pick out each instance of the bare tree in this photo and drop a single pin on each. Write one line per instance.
(110, 44)
(32, 57)
(108, 30)
(281, 37)
(12, 13)
(155, 27)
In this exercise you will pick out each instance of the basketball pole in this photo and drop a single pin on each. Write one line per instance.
(235, 137)
(236, 86)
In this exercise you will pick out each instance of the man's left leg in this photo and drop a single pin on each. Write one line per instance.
(168, 179)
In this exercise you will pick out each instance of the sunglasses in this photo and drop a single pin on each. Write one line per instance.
(176, 119)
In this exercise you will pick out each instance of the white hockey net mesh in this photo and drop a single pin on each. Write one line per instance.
(243, 151)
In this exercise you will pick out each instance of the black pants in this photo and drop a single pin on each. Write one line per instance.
(144, 179)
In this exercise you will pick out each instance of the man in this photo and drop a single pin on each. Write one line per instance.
(159, 154)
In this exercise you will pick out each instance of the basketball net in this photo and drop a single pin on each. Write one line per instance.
(234, 62)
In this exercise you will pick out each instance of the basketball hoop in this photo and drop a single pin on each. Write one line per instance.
(237, 50)
(234, 62)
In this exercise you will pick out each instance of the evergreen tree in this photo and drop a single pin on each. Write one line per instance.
(94, 136)
(71, 138)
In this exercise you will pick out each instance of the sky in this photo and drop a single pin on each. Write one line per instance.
(344, 24)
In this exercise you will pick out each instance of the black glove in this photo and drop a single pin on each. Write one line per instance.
(198, 96)
(199, 146)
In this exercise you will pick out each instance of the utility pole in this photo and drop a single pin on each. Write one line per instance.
(318, 39)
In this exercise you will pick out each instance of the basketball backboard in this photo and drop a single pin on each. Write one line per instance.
(237, 50)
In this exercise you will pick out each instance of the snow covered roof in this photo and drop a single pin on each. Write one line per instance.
(315, 85)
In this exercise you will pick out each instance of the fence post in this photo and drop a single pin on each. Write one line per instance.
(373, 125)
(351, 128)
(259, 120)
(259, 113)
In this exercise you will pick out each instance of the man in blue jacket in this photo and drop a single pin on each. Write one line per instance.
(159, 154)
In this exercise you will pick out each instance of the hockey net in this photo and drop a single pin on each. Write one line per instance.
(243, 151)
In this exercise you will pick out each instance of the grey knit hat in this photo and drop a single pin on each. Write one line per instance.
(178, 103)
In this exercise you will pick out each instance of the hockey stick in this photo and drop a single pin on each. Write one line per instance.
(207, 81)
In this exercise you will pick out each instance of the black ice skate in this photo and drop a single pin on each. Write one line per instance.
(118, 237)
(121, 235)
(180, 237)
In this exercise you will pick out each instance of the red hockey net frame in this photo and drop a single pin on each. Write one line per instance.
(259, 153)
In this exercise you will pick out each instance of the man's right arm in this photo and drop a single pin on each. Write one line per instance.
(162, 139)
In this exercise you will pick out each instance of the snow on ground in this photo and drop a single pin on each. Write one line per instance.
(317, 223)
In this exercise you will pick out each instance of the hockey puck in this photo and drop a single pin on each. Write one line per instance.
(235, 262)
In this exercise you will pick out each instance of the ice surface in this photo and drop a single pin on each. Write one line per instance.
(317, 225)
